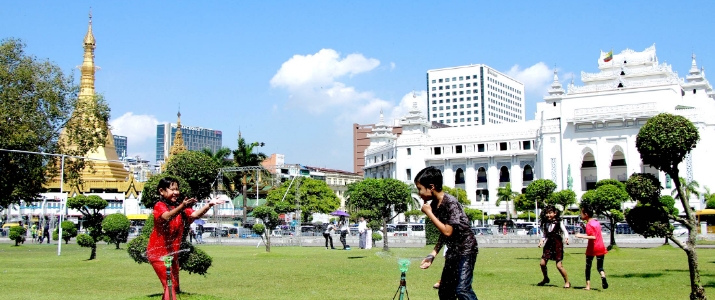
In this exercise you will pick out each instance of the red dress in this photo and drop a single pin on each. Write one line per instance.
(166, 239)
(595, 247)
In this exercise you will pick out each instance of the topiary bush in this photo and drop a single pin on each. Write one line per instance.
(116, 228)
(148, 226)
(376, 237)
(69, 230)
(84, 240)
(259, 229)
(137, 249)
(194, 260)
(17, 234)
(431, 232)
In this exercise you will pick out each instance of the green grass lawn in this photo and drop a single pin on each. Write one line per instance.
(36, 272)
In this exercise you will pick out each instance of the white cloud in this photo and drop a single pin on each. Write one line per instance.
(140, 131)
(392, 66)
(406, 103)
(312, 81)
(536, 78)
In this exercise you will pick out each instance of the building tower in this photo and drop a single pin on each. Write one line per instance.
(178, 145)
(106, 165)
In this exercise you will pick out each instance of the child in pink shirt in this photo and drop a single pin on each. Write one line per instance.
(595, 246)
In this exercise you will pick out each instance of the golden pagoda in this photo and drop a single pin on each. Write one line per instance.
(107, 173)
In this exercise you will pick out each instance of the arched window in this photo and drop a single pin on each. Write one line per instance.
(504, 174)
(481, 175)
(528, 174)
(459, 177)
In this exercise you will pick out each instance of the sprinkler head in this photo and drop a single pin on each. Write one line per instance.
(167, 260)
(404, 264)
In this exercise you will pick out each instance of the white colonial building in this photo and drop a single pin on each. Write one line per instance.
(577, 138)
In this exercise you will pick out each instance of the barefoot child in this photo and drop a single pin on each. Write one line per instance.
(447, 215)
(554, 234)
(595, 246)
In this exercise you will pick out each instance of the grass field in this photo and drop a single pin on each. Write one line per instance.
(36, 272)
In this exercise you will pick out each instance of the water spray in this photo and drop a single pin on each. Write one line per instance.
(404, 265)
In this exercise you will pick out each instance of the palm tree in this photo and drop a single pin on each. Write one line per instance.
(689, 188)
(506, 194)
(221, 158)
(243, 156)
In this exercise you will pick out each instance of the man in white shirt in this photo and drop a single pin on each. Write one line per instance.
(362, 229)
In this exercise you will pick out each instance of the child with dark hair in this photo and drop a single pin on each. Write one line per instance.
(554, 234)
(447, 215)
(595, 246)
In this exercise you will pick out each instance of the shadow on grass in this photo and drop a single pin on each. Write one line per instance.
(182, 296)
(529, 258)
(638, 275)
(710, 284)
(354, 257)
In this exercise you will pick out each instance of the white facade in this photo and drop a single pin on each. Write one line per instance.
(473, 95)
(578, 137)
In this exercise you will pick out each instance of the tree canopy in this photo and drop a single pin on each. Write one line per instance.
(270, 220)
(387, 197)
(315, 196)
(90, 207)
(116, 228)
(564, 198)
(198, 169)
(607, 200)
(150, 193)
(538, 190)
(458, 193)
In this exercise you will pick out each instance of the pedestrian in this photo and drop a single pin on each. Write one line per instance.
(200, 233)
(504, 228)
(343, 225)
(327, 236)
(448, 216)
(34, 232)
(192, 232)
(362, 229)
(554, 235)
(595, 246)
(46, 232)
(170, 216)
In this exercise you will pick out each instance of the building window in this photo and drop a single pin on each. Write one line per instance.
(454, 106)
(434, 81)
(461, 78)
(502, 146)
(437, 150)
(434, 115)
(469, 120)
(440, 80)
(447, 100)
(441, 114)
(434, 108)
(409, 174)
(448, 121)
(461, 85)
(469, 112)
(454, 78)
(434, 95)
(458, 149)
(526, 145)
(448, 114)
(409, 151)
(468, 105)
(434, 88)
(480, 147)
(440, 100)
(440, 94)
(467, 77)
(461, 119)
(454, 86)
(461, 106)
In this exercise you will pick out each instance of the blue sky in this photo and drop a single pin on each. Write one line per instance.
(297, 74)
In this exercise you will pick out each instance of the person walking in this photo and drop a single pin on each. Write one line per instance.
(200, 234)
(34, 232)
(46, 232)
(554, 235)
(343, 225)
(595, 247)
(192, 232)
(327, 236)
(170, 218)
(448, 216)
(362, 229)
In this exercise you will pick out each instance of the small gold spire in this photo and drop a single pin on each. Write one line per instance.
(89, 37)
(178, 145)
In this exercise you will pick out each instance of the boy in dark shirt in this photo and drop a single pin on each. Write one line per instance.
(447, 215)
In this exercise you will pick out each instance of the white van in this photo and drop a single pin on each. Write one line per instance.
(410, 229)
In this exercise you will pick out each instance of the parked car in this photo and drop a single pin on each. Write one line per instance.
(679, 230)
(574, 229)
(534, 231)
(482, 231)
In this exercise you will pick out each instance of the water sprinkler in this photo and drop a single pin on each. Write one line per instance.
(404, 265)
(168, 259)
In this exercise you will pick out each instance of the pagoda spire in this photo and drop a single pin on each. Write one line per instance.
(556, 88)
(178, 144)
(88, 68)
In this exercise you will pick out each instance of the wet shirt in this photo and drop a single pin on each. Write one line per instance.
(450, 212)
(166, 236)
(595, 247)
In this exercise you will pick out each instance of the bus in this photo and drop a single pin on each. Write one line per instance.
(409, 229)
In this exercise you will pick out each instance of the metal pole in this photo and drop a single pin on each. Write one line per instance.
(62, 191)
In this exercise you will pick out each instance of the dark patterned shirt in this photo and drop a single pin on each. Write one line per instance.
(462, 240)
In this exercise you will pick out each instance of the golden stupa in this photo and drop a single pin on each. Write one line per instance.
(108, 173)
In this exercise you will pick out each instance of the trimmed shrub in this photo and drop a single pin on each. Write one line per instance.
(148, 226)
(376, 237)
(259, 229)
(116, 228)
(431, 232)
(69, 230)
(197, 261)
(17, 234)
(137, 249)
(84, 240)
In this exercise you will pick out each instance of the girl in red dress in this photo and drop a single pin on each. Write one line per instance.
(595, 246)
(170, 218)
(554, 235)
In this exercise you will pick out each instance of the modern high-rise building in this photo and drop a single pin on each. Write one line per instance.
(195, 138)
(120, 143)
(473, 95)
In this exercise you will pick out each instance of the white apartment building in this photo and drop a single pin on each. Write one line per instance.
(473, 95)
(580, 136)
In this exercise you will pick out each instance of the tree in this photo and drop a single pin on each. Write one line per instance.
(506, 194)
(414, 213)
(389, 197)
(709, 198)
(690, 188)
(473, 214)
(69, 230)
(37, 101)
(537, 192)
(270, 221)
(197, 169)
(150, 193)
(220, 157)
(116, 228)
(90, 207)
(17, 234)
(663, 142)
(458, 193)
(314, 196)
(607, 200)
(564, 198)
(243, 156)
